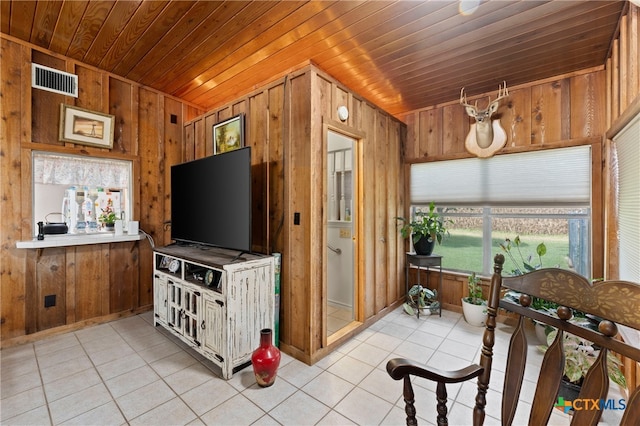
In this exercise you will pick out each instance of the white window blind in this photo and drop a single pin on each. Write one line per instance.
(548, 177)
(627, 149)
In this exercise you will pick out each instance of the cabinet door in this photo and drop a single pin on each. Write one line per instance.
(174, 288)
(160, 298)
(191, 304)
(213, 325)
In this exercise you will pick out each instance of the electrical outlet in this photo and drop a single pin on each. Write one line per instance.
(50, 301)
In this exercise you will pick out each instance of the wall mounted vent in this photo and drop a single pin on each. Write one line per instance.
(54, 80)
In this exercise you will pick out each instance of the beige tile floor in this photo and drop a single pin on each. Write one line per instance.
(337, 318)
(129, 372)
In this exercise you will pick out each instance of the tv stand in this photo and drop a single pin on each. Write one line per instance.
(216, 305)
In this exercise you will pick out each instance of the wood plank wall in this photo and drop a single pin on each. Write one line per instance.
(284, 123)
(91, 283)
(623, 103)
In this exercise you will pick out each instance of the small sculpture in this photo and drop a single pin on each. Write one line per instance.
(486, 136)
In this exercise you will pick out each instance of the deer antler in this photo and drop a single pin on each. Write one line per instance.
(503, 92)
(463, 98)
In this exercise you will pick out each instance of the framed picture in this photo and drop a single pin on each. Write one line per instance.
(228, 135)
(85, 127)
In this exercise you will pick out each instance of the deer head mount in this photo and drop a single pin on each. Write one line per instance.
(486, 136)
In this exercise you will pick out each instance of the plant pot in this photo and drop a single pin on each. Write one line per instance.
(569, 392)
(475, 315)
(423, 246)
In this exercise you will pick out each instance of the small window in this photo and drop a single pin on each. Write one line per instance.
(77, 190)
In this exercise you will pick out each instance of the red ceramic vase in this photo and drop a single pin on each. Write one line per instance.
(265, 359)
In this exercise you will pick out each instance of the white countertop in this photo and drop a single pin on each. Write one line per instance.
(63, 240)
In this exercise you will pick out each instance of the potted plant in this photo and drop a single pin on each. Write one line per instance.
(579, 353)
(421, 300)
(108, 216)
(425, 230)
(474, 306)
(579, 356)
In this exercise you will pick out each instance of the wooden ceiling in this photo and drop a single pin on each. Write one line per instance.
(400, 55)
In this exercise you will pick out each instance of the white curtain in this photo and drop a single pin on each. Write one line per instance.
(49, 168)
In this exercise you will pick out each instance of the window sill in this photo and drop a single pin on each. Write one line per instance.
(66, 240)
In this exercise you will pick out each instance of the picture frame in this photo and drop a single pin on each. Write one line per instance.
(228, 135)
(85, 127)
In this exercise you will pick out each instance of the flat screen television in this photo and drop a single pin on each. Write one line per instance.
(211, 201)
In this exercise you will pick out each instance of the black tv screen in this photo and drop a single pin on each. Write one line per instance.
(211, 201)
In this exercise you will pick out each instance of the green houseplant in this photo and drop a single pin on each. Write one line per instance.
(474, 306)
(579, 353)
(108, 216)
(421, 299)
(425, 230)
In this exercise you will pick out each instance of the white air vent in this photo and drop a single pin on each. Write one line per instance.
(54, 80)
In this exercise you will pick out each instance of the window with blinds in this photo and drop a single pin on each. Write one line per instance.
(541, 196)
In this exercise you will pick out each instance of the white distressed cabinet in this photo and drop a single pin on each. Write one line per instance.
(215, 300)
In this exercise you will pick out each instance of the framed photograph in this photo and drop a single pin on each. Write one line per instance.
(85, 127)
(228, 135)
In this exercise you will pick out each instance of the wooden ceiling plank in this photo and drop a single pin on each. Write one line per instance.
(345, 37)
(150, 37)
(532, 30)
(376, 36)
(142, 18)
(228, 68)
(92, 20)
(21, 19)
(291, 49)
(220, 59)
(261, 31)
(44, 22)
(544, 46)
(460, 35)
(543, 52)
(5, 16)
(211, 36)
(67, 24)
(521, 26)
(200, 12)
(115, 23)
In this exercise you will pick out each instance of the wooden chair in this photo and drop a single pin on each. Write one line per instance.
(617, 302)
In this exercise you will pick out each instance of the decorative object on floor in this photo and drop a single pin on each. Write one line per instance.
(425, 230)
(228, 134)
(486, 136)
(265, 359)
(81, 126)
(474, 306)
(421, 300)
